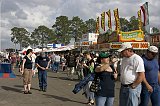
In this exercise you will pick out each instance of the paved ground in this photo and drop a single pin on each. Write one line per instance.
(59, 92)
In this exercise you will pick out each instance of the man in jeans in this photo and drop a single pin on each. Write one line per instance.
(151, 83)
(132, 74)
(42, 63)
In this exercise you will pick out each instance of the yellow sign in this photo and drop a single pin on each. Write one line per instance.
(115, 45)
(133, 36)
(85, 43)
(135, 45)
(139, 20)
(103, 21)
(117, 21)
(109, 19)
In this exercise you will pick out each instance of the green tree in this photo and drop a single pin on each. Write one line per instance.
(61, 30)
(133, 23)
(155, 30)
(77, 28)
(41, 35)
(19, 36)
(91, 25)
(124, 24)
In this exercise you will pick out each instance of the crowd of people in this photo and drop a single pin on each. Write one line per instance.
(139, 75)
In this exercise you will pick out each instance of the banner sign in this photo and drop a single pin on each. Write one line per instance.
(139, 20)
(109, 19)
(103, 21)
(131, 36)
(97, 25)
(117, 21)
(135, 45)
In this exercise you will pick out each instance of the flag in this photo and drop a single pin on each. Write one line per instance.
(97, 25)
(139, 20)
(144, 8)
(117, 21)
(103, 21)
(109, 19)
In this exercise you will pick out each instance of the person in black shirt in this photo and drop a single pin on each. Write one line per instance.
(107, 75)
(27, 71)
(88, 68)
(42, 63)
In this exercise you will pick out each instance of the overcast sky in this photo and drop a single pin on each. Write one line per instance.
(30, 14)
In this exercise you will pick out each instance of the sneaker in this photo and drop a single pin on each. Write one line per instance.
(29, 92)
(45, 90)
(40, 89)
(25, 92)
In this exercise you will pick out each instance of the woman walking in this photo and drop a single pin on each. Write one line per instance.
(27, 71)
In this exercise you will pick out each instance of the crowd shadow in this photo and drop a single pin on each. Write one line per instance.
(64, 78)
(11, 89)
(62, 98)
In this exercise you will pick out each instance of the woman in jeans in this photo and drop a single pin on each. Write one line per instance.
(27, 71)
(107, 76)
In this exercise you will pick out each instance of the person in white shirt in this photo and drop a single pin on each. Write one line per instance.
(57, 59)
(33, 64)
(132, 74)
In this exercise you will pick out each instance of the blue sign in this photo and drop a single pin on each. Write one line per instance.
(54, 45)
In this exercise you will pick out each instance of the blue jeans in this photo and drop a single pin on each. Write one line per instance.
(129, 96)
(42, 76)
(104, 101)
(154, 96)
(56, 66)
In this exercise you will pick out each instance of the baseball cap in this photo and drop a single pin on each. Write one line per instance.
(153, 49)
(104, 55)
(125, 45)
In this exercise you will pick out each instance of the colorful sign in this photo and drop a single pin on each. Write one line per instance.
(103, 21)
(139, 20)
(135, 45)
(115, 45)
(117, 21)
(109, 19)
(97, 25)
(133, 36)
(85, 43)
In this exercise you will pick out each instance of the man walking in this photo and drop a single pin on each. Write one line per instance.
(42, 63)
(132, 74)
(151, 82)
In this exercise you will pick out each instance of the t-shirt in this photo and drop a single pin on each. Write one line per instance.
(71, 61)
(151, 70)
(57, 58)
(130, 68)
(42, 61)
(28, 63)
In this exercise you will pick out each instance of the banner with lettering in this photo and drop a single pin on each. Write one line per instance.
(139, 20)
(103, 21)
(117, 21)
(109, 19)
(97, 25)
(132, 36)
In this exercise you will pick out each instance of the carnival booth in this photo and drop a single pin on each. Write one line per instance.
(113, 41)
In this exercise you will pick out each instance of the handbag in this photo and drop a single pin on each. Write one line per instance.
(95, 86)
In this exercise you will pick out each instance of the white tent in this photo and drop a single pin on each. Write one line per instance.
(37, 50)
(29, 47)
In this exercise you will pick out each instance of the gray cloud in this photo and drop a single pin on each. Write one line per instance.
(32, 13)
(8, 6)
(20, 14)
